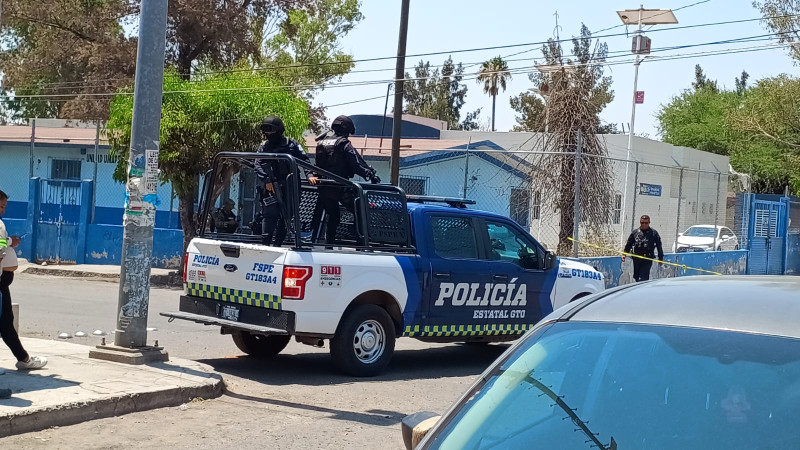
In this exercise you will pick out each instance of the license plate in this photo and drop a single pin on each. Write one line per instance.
(229, 312)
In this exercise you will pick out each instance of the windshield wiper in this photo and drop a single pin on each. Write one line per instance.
(571, 413)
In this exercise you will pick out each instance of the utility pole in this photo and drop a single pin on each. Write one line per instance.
(139, 219)
(399, 75)
(383, 120)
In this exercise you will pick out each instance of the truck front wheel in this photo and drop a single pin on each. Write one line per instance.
(258, 344)
(364, 341)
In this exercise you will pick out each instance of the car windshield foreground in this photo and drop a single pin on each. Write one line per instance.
(607, 385)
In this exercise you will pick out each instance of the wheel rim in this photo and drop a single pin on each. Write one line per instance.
(369, 341)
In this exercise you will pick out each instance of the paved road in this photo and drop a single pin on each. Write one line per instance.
(295, 401)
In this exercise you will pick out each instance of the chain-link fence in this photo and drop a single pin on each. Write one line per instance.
(691, 208)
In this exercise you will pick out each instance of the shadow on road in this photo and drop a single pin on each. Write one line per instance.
(317, 369)
(371, 417)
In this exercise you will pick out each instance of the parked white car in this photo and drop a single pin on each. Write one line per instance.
(706, 238)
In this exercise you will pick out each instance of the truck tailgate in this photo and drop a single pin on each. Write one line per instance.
(235, 272)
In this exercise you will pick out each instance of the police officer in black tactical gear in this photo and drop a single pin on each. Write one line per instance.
(337, 155)
(273, 174)
(644, 241)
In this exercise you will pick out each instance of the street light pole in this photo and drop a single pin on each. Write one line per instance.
(139, 218)
(399, 75)
(641, 45)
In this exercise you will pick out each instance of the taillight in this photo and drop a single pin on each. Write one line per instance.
(185, 265)
(294, 282)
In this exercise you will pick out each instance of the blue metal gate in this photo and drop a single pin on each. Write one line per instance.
(767, 237)
(57, 221)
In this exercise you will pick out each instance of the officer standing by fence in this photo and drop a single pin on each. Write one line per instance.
(337, 155)
(273, 174)
(644, 241)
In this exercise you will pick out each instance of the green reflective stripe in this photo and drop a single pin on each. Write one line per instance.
(3, 242)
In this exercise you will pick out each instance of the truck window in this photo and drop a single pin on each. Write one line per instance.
(454, 237)
(508, 244)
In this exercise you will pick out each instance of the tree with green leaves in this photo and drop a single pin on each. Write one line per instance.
(198, 121)
(80, 48)
(438, 94)
(588, 57)
(530, 110)
(753, 126)
(783, 18)
(494, 75)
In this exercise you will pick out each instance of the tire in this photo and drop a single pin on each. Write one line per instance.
(259, 345)
(364, 342)
(736, 248)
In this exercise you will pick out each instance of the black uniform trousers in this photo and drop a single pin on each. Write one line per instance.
(641, 269)
(10, 336)
(273, 226)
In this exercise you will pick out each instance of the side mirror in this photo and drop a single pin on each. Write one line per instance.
(550, 261)
(416, 426)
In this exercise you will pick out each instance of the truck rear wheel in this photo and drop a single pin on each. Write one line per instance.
(258, 344)
(364, 341)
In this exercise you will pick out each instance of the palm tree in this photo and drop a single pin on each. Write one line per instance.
(494, 74)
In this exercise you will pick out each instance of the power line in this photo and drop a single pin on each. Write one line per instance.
(611, 54)
(496, 47)
(472, 76)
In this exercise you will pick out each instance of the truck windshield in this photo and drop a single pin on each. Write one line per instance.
(580, 385)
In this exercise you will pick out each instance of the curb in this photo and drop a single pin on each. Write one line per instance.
(171, 280)
(74, 413)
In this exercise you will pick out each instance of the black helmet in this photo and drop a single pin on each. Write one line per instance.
(272, 124)
(343, 125)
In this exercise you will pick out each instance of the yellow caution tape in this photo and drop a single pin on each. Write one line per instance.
(681, 266)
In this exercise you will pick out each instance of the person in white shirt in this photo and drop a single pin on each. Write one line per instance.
(9, 265)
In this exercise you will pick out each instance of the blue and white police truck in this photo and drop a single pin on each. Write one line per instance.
(425, 268)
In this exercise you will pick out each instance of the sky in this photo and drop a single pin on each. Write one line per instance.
(447, 25)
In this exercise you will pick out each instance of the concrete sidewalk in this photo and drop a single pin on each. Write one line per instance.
(73, 388)
(158, 277)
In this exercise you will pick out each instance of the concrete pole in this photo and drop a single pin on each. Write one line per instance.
(139, 218)
(577, 206)
(399, 75)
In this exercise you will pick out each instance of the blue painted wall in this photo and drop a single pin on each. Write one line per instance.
(793, 255)
(104, 246)
(617, 273)
(113, 216)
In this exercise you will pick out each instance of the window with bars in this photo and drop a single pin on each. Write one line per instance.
(65, 169)
(414, 185)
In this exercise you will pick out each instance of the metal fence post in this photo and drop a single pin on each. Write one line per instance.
(697, 201)
(94, 184)
(466, 168)
(716, 210)
(635, 194)
(678, 220)
(33, 144)
(577, 206)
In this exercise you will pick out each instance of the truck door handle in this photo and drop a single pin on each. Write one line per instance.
(231, 251)
(499, 277)
(441, 275)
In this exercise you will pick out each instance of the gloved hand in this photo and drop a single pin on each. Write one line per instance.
(375, 179)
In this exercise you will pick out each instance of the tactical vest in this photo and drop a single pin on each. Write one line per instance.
(332, 156)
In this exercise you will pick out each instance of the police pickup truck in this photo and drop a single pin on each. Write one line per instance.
(401, 266)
